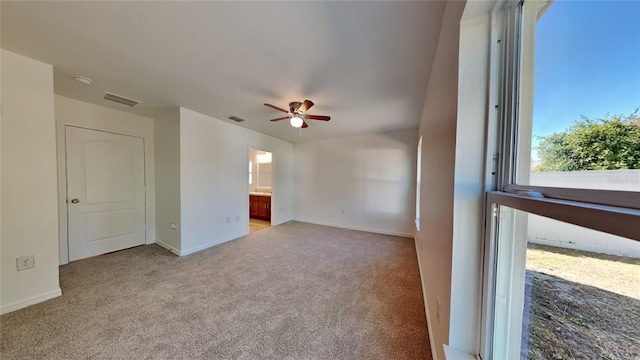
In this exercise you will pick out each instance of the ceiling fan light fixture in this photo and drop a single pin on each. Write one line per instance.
(296, 121)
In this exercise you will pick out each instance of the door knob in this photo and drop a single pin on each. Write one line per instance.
(75, 201)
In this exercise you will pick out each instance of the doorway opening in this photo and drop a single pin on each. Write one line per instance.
(260, 189)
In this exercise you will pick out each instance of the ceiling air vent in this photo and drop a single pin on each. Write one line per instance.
(236, 119)
(120, 99)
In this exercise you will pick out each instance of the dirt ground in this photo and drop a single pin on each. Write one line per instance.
(581, 305)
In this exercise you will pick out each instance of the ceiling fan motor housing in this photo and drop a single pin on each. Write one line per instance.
(294, 107)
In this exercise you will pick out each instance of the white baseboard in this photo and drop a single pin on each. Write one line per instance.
(168, 247)
(376, 231)
(434, 353)
(210, 244)
(17, 305)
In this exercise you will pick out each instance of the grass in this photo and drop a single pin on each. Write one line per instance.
(582, 305)
(617, 274)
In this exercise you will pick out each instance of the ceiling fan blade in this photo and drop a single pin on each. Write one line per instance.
(276, 108)
(304, 124)
(306, 105)
(278, 119)
(318, 117)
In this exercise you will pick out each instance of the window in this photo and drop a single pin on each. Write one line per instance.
(562, 302)
(522, 203)
(584, 130)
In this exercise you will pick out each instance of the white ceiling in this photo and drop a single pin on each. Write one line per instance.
(366, 64)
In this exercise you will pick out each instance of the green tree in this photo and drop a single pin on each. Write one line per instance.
(612, 143)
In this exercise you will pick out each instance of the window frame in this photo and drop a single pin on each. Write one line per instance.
(418, 181)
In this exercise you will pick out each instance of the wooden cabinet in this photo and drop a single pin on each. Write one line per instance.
(253, 206)
(260, 207)
(264, 204)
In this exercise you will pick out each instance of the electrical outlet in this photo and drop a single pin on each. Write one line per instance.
(237, 218)
(228, 219)
(438, 307)
(25, 262)
(174, 226)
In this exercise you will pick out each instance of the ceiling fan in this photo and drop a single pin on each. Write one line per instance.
(297, 113)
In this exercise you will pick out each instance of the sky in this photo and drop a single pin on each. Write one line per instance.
(587, 62)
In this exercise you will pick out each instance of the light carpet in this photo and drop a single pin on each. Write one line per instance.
(294, 291)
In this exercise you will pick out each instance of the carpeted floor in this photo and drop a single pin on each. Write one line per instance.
(294, 291)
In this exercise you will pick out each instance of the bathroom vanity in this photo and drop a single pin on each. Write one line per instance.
(260, 206)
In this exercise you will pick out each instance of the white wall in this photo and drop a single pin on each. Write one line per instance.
(545, 231)
(29, 183)
(82, 114)
(364, 182)
(214, 183)
(620, 180)
(253, 156)
(438, 130)
(167, 161)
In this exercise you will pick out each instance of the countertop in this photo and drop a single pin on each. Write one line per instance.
(260, 194)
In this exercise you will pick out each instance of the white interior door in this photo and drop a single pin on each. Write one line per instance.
(105, 192)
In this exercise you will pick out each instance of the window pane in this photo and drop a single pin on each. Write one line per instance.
(564, 292)
(585, 128)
